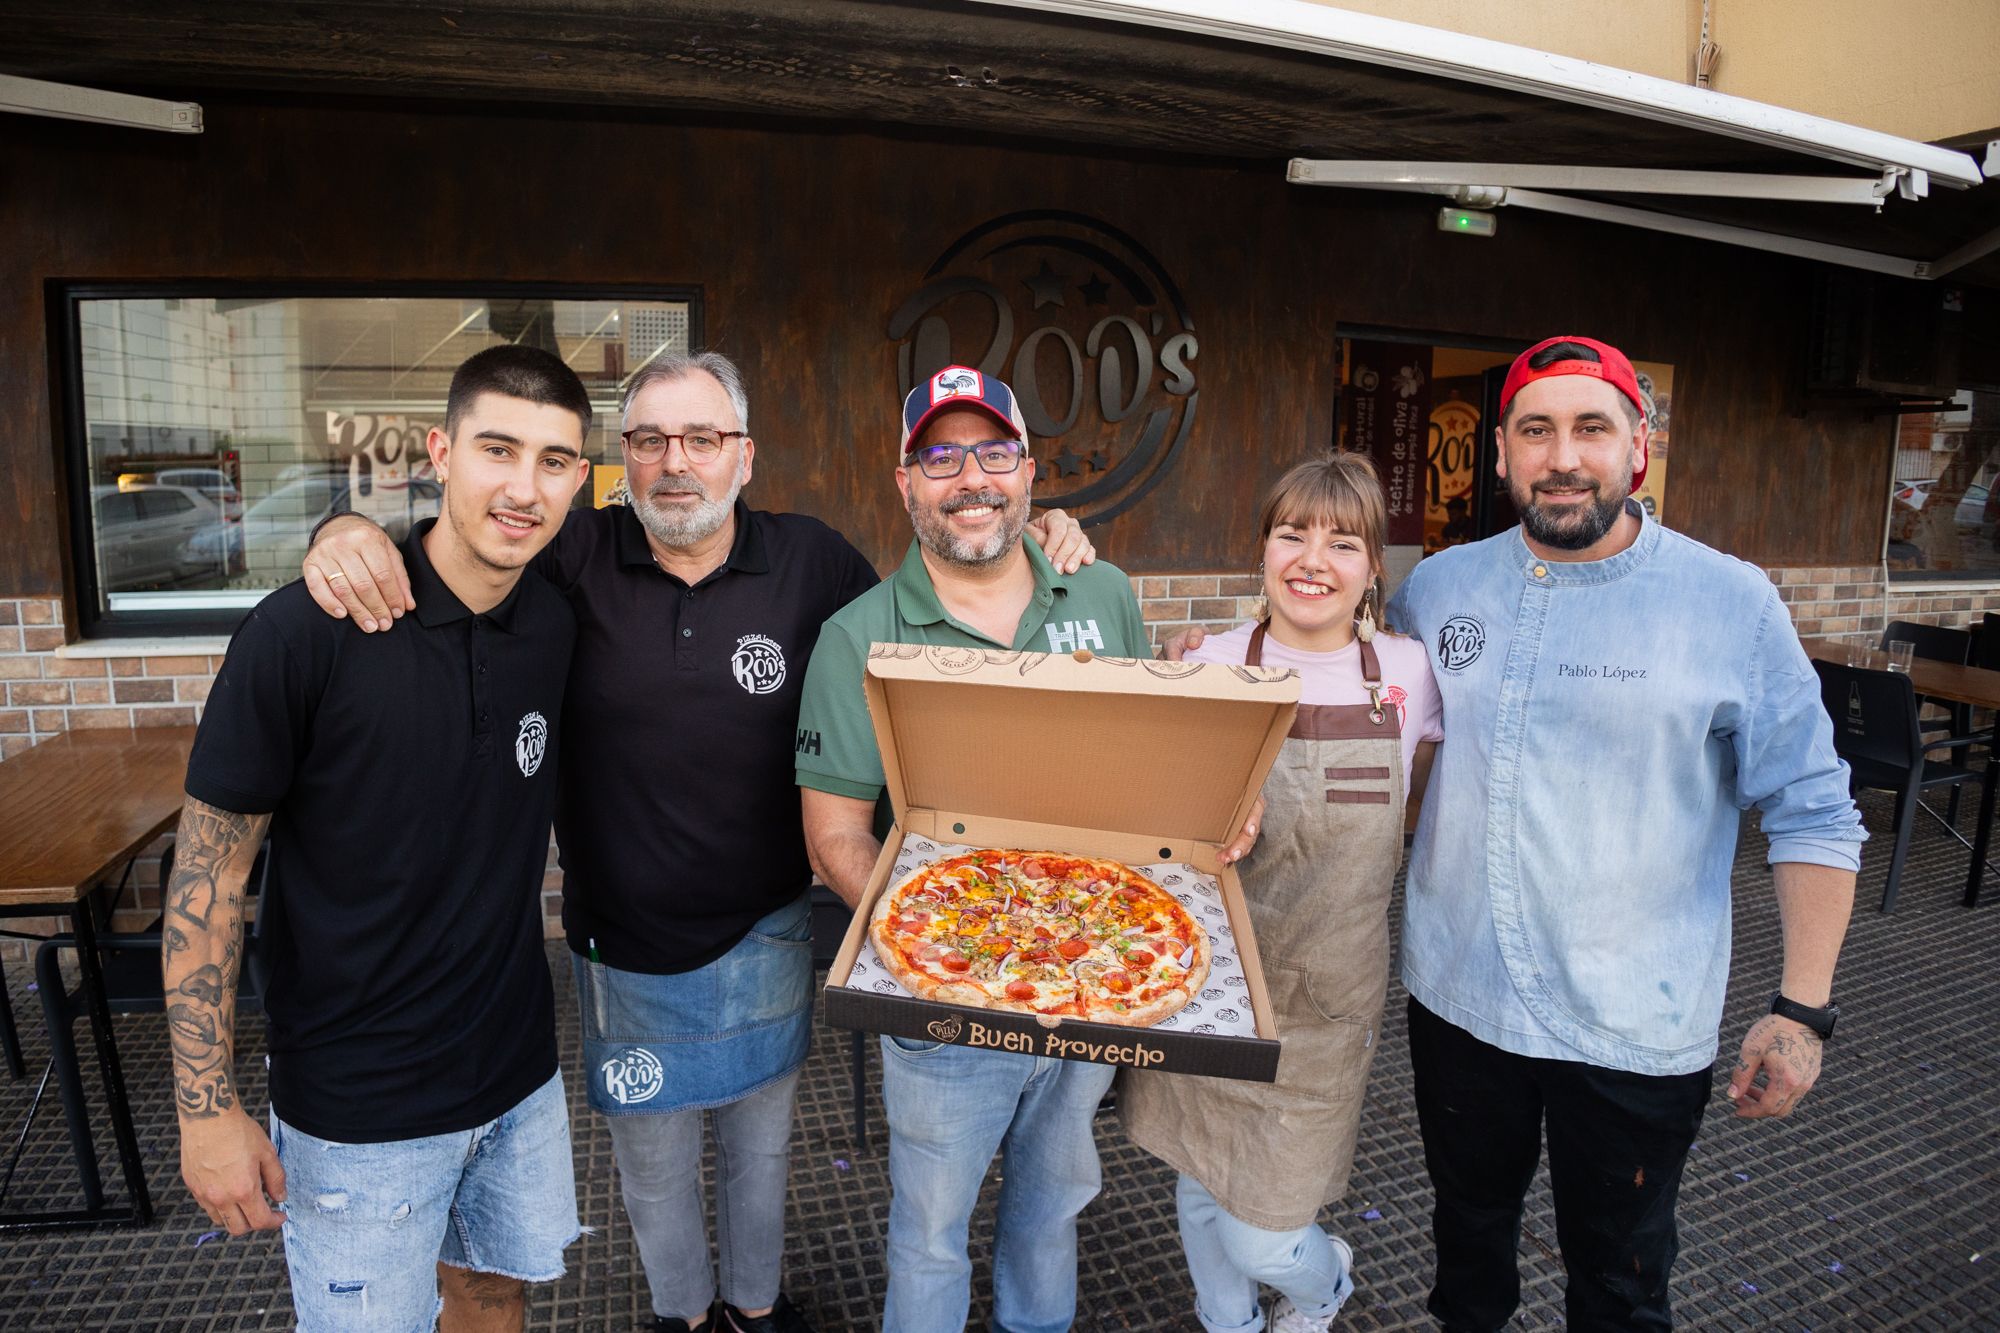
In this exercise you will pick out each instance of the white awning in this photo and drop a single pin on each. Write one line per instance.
(1297, 25)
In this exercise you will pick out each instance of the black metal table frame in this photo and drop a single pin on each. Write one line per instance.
(90, 969)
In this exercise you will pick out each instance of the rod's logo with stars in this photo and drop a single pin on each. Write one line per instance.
(530, 743)
(1093, 336)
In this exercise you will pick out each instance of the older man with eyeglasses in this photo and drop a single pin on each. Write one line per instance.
(685, 888)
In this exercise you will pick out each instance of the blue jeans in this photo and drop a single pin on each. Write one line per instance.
(659, 1173)
(366, 1224)
(1227, 1257)
(950, 1109)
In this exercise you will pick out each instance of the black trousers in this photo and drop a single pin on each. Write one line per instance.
(1617, 1143)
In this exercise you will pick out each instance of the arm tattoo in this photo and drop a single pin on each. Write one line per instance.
(200, 945)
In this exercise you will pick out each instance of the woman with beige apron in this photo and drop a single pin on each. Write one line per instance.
(1259, 1160)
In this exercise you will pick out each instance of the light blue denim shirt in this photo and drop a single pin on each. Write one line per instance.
(1605, 722)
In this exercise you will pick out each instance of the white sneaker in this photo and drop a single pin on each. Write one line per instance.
(1285, 1317)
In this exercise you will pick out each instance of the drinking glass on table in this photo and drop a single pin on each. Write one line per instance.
(1901, 652)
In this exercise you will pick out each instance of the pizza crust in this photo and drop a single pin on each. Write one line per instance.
(1148, 1013)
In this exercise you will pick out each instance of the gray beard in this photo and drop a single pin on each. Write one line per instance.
(686, 527)
(934, 532)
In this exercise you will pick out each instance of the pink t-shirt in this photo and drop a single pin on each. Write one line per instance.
(1335, 678)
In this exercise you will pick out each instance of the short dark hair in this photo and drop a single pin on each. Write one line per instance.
(514, 371)
(1555, 352)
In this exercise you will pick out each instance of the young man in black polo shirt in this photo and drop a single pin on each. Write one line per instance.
(418, 1127)
(685, 873)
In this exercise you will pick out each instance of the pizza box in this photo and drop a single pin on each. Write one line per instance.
(1155, 764)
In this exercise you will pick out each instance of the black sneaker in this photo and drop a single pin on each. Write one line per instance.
(662, 1324)
(784, 1318)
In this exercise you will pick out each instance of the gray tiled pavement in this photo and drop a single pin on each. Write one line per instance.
(1877, 1208)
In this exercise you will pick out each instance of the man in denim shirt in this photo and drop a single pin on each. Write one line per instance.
(1614, 695)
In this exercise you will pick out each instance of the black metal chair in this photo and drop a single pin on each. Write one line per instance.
(1986, 642)
(830, 918)
(1938, 643)
(1875, 730)
(1933, 643)
(132, 985)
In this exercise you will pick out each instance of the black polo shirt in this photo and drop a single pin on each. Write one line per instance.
(679, 820)
(411, 779)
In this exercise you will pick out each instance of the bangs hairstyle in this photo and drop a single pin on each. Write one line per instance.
(1340, 491)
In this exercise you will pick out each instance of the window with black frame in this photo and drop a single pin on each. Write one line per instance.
(212, 431)
(1944, 515)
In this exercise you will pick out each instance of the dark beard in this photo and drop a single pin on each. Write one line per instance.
(1574, 530)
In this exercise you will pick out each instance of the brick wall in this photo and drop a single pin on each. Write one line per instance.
(1842, 601)
(1213, 601)
(48, 691)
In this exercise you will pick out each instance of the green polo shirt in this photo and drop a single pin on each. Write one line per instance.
(1093, 608)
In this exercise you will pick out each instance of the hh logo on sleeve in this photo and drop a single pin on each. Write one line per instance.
(1074, 634)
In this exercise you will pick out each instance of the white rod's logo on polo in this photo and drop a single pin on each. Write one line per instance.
(759, 664)
(530, 743)
(633, 1075)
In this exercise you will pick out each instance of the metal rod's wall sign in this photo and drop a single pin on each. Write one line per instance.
(1105, 371)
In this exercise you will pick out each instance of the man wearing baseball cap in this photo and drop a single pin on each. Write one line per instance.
(1614, 695)
(968, 580)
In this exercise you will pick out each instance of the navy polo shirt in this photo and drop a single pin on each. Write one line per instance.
(679, 819)
(411, 780)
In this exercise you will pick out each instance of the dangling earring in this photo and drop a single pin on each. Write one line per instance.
(1260, 606)
(1364, 627)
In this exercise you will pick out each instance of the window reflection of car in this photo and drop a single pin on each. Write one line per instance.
(1975, 518)
(1912, 524)
(145, 534)
(275, 530)
(1913, 494)
(213, 483)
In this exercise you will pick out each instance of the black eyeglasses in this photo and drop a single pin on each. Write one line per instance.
(996, 458)
(701, 446)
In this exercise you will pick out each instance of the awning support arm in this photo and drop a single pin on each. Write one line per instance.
(1611, 180)
(34, 97)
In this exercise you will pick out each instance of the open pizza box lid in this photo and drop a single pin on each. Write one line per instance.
(1141, 761)
(1174, 750)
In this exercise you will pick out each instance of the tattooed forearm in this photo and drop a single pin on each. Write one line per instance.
(199, 948)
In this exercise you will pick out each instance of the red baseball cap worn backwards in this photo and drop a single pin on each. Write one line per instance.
(1611, 366)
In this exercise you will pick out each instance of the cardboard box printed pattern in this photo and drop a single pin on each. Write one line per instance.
(1154, 764)
(1222, 1007)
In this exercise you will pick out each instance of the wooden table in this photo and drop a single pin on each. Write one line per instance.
(1957, 684)
(72, 811)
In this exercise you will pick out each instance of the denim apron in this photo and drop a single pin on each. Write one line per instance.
(690, 1040)
(1317, 887)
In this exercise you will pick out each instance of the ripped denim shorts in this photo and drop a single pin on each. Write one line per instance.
(366, 1224)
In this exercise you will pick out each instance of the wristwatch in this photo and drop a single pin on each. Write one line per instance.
(1819, 1020)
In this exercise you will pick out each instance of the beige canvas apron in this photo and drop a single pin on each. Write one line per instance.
(1317, 885)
